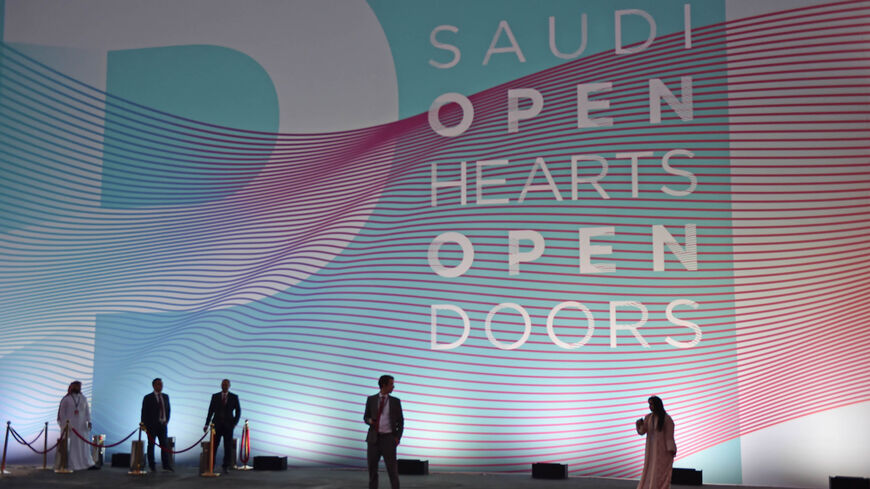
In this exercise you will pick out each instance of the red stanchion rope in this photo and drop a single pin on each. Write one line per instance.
(20, 439)
(167, 449)
(38, 436)
(245, 448)
(103, 445)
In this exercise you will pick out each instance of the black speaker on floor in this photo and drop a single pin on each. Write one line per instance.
(121, 460)
(687, 477)
(270, 463)
(840, 482)
(413, 467)
(549, 471)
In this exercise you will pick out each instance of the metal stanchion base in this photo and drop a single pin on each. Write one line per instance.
(137, 458)
(5, 472)
(245, 467)
(206, 458)
(63, 471)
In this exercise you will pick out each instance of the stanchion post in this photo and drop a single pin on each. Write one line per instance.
(99, 451)
(137, 453)
(45, 448)
(210, 472)
(63, 451)
(5, 445)
(246, 435)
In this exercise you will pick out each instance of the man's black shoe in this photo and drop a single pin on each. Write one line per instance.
(168, 469)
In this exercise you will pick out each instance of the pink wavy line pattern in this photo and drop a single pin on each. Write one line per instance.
(788, 115)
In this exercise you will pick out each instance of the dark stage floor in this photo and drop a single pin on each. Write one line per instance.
(308, 478)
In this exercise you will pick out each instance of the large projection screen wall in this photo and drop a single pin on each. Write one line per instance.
(533, 215)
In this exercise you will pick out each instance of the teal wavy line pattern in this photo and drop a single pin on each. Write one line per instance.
(296, 266)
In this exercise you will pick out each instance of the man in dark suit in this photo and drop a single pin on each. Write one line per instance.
(155, 417)
(384, 416)
(226, 411)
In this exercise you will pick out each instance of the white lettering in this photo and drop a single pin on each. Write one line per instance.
(526, 331)
(513, 48)
(583, 38)
(681, 322)
(590, 321)
(515, 256)
(666, 165)
(447, 47)
(436, 184)
(515, 114)
(614, 326)
(635, 156)
(617, 18)
(576, 180)
(467, 254)
(688, 256)
(658, 91)
(489, 181)
(467, 114)
(584, 105)
(550, 185)
(434, 308)
(587, 250)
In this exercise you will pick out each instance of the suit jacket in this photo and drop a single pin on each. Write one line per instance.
(224, 414)
(151, 411)
(397, 419)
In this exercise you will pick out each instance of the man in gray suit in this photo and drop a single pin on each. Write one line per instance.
(384, 416)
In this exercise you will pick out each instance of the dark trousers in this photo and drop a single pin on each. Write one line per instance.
(159, 432)
(385, 446)
(224, 432)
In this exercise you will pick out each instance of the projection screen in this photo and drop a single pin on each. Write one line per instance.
(533, 215)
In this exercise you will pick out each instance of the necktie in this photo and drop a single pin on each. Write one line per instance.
(224, 398)
(380, 410)
(160, 403)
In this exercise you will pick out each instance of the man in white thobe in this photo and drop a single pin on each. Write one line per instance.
(74, 408)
